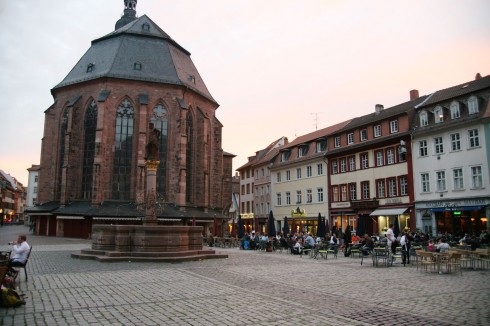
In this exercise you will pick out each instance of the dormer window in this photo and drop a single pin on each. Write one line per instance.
(473, 105)
(377, 131)
(285, 156)
(350, 138)
(192, 79)
(438, 114)
(146, 27)
(455, 113)
(321, 145)
(424, 121)
(302, 150)
(337, 141)
(90, 67)
(394, 126)
(364, 135)
(137, 65)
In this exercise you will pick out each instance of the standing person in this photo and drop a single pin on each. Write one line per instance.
(390, 236)
(347, 237)
(405, 242)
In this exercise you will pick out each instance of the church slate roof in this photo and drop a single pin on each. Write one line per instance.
(142, 51)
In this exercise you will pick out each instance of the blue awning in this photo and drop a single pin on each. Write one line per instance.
(456, 209)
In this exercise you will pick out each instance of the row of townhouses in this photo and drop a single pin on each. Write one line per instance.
(422, 165)
(12, 199)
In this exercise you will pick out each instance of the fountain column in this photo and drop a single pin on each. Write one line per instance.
(151, 193)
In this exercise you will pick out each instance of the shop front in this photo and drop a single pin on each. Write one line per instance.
(453, 218)
(398, 216)
(300, 221)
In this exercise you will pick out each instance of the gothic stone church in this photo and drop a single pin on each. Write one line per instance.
(93, 149)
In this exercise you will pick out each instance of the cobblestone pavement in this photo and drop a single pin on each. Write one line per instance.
(248, 288)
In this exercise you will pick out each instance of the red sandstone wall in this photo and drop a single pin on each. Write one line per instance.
(207, 156)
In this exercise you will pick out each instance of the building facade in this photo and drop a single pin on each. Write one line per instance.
(94, 144)
(451, 151)
(12, 199)
(369, 163)
(299, 179)
(255, 187)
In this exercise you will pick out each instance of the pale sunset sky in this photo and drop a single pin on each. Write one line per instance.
(276, 67)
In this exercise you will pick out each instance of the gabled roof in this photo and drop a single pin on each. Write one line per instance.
(263, 154)
(458, 90)
(10, 179)
(141, 42)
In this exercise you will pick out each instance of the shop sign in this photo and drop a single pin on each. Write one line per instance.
(344, 204)
(365, 204)
(298, 212)
(456, 203)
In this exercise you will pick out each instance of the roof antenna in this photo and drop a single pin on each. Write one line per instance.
(316, 119)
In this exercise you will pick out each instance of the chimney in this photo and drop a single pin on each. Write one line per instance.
(378, 108)
(477, 76)
(414, 94)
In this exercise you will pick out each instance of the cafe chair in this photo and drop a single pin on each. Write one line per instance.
(426, 260)
(454, 262)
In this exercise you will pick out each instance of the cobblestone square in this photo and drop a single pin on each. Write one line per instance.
(248, 288)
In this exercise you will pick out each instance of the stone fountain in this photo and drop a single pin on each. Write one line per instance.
(150, 241)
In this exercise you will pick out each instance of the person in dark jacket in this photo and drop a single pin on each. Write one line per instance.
(347, 237)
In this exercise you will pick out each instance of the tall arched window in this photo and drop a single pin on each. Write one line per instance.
(90, 126)
(63, 128)
(121, 184)
(189, 158)
(159, 118)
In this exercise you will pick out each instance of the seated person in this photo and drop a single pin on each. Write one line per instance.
(309, 241)
(284, 242)
(210, 240)
(20, 251)
(367, 245)
(253, 241)
(297, 248)
(430, 245)
(264, 241)
(442, 246)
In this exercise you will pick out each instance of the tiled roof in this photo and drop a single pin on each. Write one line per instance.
(162, 59)
(317, 134)
(458, 90)
(265, 154)
(384, 114)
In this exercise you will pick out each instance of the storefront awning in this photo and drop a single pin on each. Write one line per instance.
(455, 209)
(389, 211)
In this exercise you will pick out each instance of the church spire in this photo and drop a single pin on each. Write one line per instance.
(129, 13)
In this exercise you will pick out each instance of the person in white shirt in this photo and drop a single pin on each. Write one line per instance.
(297, 247)
(442, 246)
(390, 236)
(20, 251)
